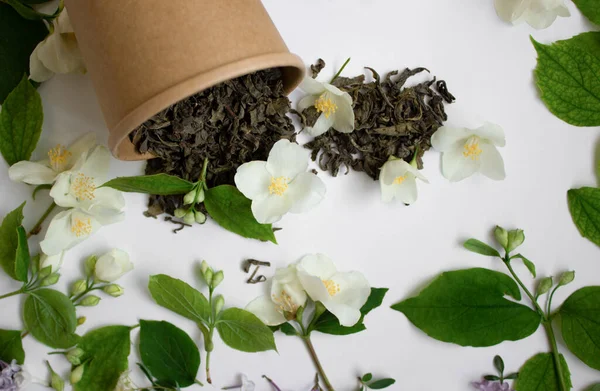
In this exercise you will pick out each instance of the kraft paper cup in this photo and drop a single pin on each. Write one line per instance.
(145, 55)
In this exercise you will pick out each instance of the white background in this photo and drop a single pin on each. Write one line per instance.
(488, 66)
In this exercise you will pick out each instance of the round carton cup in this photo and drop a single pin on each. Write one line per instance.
(145, 55)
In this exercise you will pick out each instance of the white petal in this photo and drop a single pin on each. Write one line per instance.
(61, 191)
(63, 23)
(60, 53)
(286, 282)
(407, 190)
(82, 145)
(563, 11)
(541, 20)
(387, 192)
(33, 173)
(264, 308)
(112, 265)
(344, 115)
(322, 125)
(492, 164)
(253, 179)
(511, 10)
(354, 288)
(37, 70)
(306, 102)
(287, 160)
(445, 138)
(306, 191)
(348, 316)
(318, 265)
(55, 261)
(108, 217)
(393, 169)
(337, 92)
(492, 132)
(270, 209)
(455, 166)
(106, 200)
(62, 236)
(312, 86)
(247, 385)
(96, 164)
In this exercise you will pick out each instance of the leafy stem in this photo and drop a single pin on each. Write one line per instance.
(317, 362)
(539, 309)
(17, 292)
(38, 226)
(209, 333)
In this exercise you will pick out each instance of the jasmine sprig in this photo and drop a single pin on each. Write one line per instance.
(367, 382)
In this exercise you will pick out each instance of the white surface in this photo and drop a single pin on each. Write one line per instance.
(488, 66)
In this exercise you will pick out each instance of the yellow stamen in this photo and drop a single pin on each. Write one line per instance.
(332, 287)
(58, 156)
(284, 303)
(81, 227)
(325, 105)
(83, 187)
(471, 148)
(399, 180)
(278, 185)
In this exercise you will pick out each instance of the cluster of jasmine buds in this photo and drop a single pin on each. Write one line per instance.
(212, 278)
(188, 213)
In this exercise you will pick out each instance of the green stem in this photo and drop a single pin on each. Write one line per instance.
(340, 71)
(38, 226)
(518, 280)
(549, 307)
(12, 294)
(88, 290)
(208, 342)
(317, 362)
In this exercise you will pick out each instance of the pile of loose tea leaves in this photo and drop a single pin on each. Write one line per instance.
(229, 124)
(390, 120)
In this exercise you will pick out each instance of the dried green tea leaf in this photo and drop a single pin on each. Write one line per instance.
(232, 211)
(9, 241)
(590, 8)
(584, 205)
(580, 319)
(567, 76)
(159, 184)
(11, 346)
(242, 330)
(468, 308)
(539, 374)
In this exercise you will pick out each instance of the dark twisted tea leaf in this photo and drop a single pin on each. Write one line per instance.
(390, 120)
(229, 124)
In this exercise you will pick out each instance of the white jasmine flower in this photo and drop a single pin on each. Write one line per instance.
(398, 179)
(342, 293)
(287, 296)
(539, 14)
(281, 184)
(58, 53)
(467, 151)
(60, 158)
(112, 266)
(334, 105)
(55, 261)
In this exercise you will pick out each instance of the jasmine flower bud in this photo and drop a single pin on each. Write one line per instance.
(90, 265)
(77, 374)
(90, 301)
(516, 237)
(501, 236)
(208, 277)
(200, 197)
(204, 267)
(56, 382)
(217, 278)
(45, 272)
(74, 356)
(566, 278)
(180, 212)
(544, 286)
(51, 279)
(114, 290)
(189, 198)
(199, 217)
(81, 320)
(78, 287)
(189, 218)
(219, 303)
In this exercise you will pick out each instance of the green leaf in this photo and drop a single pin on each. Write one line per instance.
(9, 241)
(590, 8)
(288, 330)
(580, 319)
(584, 205)
(479, 247)
(595, 387)
(18, 38)
(22, 257)
(468, 308)
(179, 297)
(381, 384)
(329, 324)
(231, 210)
(11, 346)
(499, 364)
(105, 356)
(21, 121)
(29, 13)
(367, 377)
(528, 264)
(50, 317)
(242, 330)
(159, 184)
(538, 374)
(168, 353)
(566, 75)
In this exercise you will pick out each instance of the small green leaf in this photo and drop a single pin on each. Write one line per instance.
(179, 297)
(528, 264)
(580, 318)
(491, 377)
(539, 374)
(590, 8)
(159, 184)
(168, 353)
(22, 257)
(11, 346)
(50, 317)
(105, 356)
(9, 241)
(288, 329)
(584, 205)
(367, 377)
(329, 324)
(499, 364)
(479, 247)
(468, 308)
(231, 210)
(512, 376)
(242, 330)
(21, 121)
(566, 75)
(381, 384)
(18, 38)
